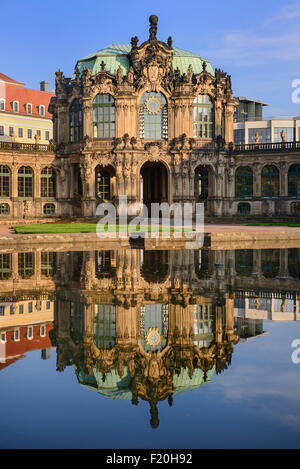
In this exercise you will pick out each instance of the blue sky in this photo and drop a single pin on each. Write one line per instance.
(256, 42)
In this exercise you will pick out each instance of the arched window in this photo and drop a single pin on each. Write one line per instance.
(104, 116)
(104, 326)
(203, 116)
(5, 181)
(294, 181)
(154, 326)
(270, 262)
(25, 182)
(153, 116)
(75, 121)
(16, 106)
(103, 185)
(48, 183)
(243, 183)
(244, 208)
(2, 104)
(270, 182)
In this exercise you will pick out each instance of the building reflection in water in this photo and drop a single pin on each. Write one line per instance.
(143, 325)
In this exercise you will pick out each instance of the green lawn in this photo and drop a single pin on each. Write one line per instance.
(79, 228)
(279, 223)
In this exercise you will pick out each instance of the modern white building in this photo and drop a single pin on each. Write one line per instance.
(248, 121)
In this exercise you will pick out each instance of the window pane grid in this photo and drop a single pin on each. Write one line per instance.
(4, 181)
(104, 116)
(203, 117)
(48, 183)
(25, 182)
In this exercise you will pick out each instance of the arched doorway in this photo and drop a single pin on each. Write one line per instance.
(153, 184)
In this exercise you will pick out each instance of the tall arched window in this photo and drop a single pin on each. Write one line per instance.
(270, 182)
(203, 116)
(243, 183)
(294, 181)
(153, 116)
(5, 181)
(104, 326)
(25, 182)
(103, 185)
(104, 116)
(75, 121)
(48, 183)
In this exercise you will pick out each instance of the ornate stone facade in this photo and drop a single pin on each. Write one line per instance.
(154, 123)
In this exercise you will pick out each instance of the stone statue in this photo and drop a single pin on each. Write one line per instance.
(153, 20)
(257, 138)
(283, 136)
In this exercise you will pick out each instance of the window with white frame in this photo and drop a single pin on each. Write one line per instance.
(30, 307)
(2, 310)
(43, 331)
(10, 131)
(1, 130)
(16, 335)
(16, 106)
(30, 332)
(20, 132)
(42, 110)
(29, 133)
(29, 108)
(2, 104)
(3, 338)
(47, 135)
(21, 309)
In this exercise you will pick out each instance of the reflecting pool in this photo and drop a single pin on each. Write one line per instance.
(131, 348)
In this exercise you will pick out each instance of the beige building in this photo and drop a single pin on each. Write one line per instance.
(24, 112)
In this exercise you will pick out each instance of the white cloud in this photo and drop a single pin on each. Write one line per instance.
(276, 38)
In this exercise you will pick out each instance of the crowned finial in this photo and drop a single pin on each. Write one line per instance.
(153, 20)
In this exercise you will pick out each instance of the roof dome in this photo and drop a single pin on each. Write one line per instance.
(116, 55)
(118, 388)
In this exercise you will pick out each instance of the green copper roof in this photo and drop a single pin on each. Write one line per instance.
(117, 54)
(118, 388)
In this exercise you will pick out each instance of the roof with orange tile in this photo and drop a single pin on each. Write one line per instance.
(24, 96)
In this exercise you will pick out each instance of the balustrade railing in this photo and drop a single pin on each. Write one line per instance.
(26, 147)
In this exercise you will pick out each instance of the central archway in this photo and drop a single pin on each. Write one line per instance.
(153, 184)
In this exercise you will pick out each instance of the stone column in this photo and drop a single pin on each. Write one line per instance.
(87, 111)
(229, 113)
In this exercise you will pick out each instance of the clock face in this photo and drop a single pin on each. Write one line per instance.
(153, 337)
(153, 105)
